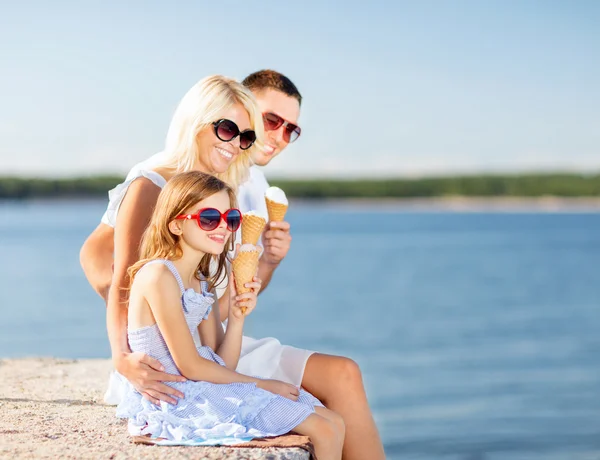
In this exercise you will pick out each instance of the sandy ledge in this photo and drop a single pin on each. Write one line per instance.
(51, 408)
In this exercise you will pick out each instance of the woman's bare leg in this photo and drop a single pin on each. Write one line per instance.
(337, 382)
(324, 434)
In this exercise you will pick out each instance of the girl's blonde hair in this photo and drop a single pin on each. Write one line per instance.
(180, 193)
(202, 105)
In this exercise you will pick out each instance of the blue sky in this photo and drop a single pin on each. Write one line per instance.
(404, 89)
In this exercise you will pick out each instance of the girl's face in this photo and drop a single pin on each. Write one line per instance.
(209, 242)
(215, 155)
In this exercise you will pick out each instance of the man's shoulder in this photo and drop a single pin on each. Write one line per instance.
(257, 176)
(252, 192)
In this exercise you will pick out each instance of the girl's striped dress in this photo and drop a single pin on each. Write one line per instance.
(209, 413)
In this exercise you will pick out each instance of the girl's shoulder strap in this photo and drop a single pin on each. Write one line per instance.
(172, 269)
(203, 283)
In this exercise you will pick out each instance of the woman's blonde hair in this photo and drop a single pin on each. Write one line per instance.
(180, 193)
(202, 105)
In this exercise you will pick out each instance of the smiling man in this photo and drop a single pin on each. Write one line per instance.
(335, 380)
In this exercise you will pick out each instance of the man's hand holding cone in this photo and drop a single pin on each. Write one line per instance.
(277, 204)
(276, 238)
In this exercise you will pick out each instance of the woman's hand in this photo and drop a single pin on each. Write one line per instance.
(242, 305)
(287, 390)
(146, 375)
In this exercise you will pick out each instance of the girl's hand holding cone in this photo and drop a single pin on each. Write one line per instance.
(246, 285)
(244, 304)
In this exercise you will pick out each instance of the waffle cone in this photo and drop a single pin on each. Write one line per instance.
(244, 268)
(276, 210)
(252, 227)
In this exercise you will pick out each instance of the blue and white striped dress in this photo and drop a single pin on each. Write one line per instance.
(209, 413)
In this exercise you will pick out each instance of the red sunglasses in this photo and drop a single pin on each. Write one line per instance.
(209, 218)
(273, 122)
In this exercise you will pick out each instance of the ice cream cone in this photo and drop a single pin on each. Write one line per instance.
(276, 210)
(252, 227)
(244, 268)
(277, 204)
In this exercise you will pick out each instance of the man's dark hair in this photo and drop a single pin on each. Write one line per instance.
(270, 79)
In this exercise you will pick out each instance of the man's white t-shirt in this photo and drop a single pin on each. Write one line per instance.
(251, 194)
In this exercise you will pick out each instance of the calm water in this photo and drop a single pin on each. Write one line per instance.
(478, 334)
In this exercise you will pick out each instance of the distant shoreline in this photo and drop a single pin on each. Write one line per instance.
(467, 203)
(417, 190)
(432, 204)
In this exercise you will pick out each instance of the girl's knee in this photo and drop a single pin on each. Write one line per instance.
(334, 417)
(325, 428)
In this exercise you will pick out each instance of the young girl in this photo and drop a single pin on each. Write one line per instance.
(170, 297)
(214, 129)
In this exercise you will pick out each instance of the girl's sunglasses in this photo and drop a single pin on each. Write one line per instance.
(210, 218)
(273, 122)
(227, 130)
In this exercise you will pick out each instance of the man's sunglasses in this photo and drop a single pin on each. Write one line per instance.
(227, 130)
(273, 122)
(209, 218)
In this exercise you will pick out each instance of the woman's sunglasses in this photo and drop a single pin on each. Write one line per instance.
(209, 218)
(227, 130)
(273, 122)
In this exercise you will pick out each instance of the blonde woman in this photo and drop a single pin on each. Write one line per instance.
(214, 130)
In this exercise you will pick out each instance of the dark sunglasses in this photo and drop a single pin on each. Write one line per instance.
(273, 122)
(210, 218)
(227, 130)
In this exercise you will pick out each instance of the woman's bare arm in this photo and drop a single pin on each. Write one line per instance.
(96, 258)
(132, 220)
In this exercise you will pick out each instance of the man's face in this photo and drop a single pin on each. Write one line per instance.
(286, 107)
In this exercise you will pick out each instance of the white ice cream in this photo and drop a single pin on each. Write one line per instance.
(277, 195)
(248, 248)
(256, 213)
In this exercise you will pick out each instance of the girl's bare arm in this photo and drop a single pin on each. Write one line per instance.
(161, 291)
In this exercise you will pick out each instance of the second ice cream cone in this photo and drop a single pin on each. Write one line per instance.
(252, 227)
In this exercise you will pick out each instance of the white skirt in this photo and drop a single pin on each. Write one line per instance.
(268, 359)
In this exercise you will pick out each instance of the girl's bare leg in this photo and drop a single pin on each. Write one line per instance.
(325, 435)
(336, 419)
(337, 382)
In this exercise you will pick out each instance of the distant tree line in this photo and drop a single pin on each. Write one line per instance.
(526, 185)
